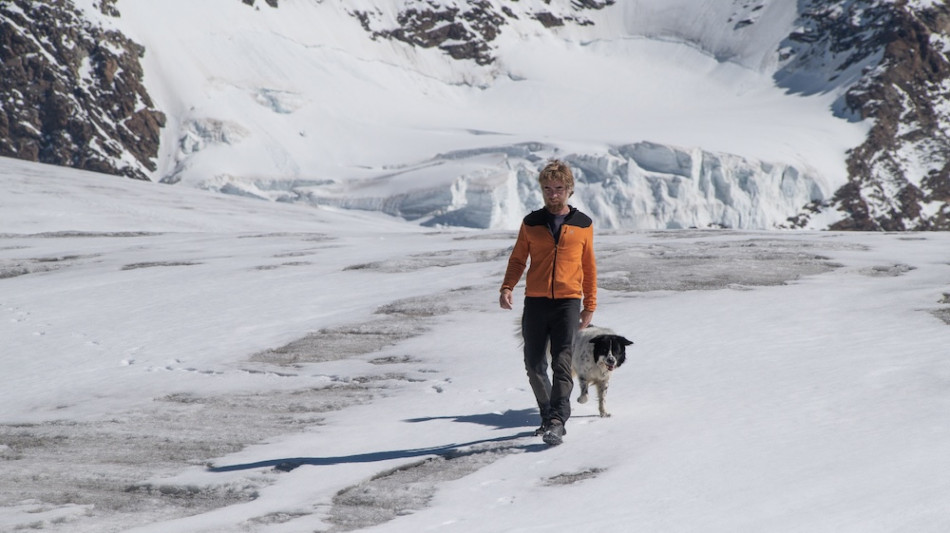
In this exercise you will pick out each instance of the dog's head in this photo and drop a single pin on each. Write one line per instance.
(610, 350)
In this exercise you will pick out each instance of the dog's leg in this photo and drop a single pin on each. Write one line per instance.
(602, 398)
(583, 397)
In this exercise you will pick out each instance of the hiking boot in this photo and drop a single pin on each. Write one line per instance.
(544, 427)
(554, 434)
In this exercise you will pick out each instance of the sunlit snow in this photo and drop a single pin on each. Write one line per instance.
(181, 361)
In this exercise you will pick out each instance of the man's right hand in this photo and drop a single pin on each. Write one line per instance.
(505, 300)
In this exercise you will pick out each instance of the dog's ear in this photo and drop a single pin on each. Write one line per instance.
(625, 341)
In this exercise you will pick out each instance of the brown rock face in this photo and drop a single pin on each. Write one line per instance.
(72, 93)
(904, 97)
(899, 177)
(465, 32)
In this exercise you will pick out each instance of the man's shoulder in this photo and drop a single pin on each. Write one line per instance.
(536, 218)
(578, 219)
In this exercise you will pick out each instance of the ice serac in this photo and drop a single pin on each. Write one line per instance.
(641, 185)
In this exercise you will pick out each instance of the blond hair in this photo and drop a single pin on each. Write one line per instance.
(557, 171)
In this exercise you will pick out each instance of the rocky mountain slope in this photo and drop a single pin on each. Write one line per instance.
(73, 95)
(72, 91)
(895, 59)
(900, 176)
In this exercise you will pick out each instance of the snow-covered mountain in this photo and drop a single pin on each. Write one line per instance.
(676, 113)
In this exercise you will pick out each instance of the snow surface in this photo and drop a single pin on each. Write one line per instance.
(297, 103)
(178, 361)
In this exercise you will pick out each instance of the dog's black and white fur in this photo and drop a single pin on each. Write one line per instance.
(597, 352)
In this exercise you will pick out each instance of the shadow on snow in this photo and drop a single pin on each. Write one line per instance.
(507, 420)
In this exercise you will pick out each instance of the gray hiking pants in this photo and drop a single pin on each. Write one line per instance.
(551, 322)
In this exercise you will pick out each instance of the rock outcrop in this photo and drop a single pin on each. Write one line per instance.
(465, 31)
(72, 92)
(893, 59)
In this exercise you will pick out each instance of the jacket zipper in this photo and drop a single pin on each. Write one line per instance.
(557, 244)
(554, 262)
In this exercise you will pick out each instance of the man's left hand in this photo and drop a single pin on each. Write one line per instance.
(586, 317)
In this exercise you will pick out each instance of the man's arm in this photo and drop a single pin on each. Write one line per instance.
(517, 262)
(589, 266)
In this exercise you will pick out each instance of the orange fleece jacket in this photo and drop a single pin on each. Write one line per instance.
(565, 270)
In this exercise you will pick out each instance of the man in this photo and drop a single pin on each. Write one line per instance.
(562, 274)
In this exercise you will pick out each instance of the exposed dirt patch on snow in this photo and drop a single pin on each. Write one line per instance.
(887, 271)
(443, 258)
(569, 478)
(710, 265)
(332, 344)
(35, 265)
(153, 264)
(408, 488)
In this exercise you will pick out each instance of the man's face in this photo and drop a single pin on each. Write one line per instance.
(555, 195)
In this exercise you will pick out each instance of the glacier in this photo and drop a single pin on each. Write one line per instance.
(641, 185)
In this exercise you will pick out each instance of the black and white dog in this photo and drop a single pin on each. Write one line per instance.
(597, 352)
